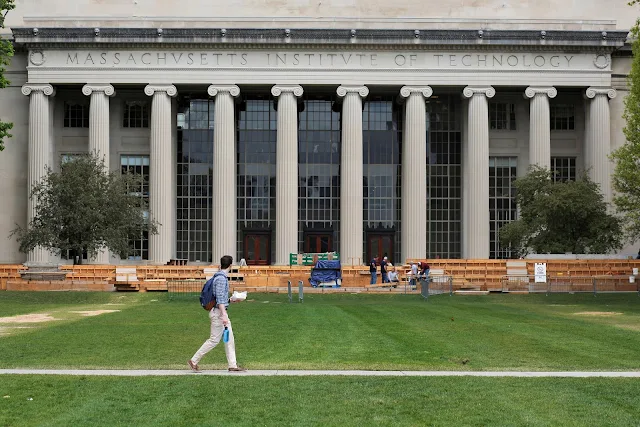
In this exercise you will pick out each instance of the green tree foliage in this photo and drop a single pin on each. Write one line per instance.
(6, 52)
(86, 208)
(626, 176)
(560, 217)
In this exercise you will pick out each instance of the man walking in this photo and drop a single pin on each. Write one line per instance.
(219, 320)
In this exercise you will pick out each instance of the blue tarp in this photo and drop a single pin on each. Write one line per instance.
(326, 272)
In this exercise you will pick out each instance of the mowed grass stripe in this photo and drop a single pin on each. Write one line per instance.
(341, 331)
(318, 401)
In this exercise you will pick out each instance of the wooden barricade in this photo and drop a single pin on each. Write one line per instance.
(466, 275)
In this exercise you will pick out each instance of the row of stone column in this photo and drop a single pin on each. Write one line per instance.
(414, 203)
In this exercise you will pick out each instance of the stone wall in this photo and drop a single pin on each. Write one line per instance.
(512, 14)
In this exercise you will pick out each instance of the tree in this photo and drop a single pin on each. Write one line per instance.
(6, 52)
(560, 217)
(626, 175)
(85, 208)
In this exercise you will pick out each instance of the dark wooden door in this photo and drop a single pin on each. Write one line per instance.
(257, 248)
(380, 245)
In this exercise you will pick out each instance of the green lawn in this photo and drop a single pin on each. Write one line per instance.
(317, 401)
(338, 331)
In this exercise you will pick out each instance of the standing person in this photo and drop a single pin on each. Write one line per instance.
(383, 270)
(373, 268)
(414, 275)
(219, 320)
(424, 269)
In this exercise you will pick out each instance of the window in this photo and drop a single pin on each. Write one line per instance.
(502, 201)
(195, 180)
(382, 133)
(562, 117)
(319, 175)
(502, 116)
(256, 176)
(136, 114)
(444, 177)
(138, 165)
(76, 115)
(563, 169)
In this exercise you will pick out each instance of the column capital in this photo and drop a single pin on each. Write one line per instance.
(170, 90)
(592, 92)
(47, 89)
(532, 91)
(487, 91)
(277, 90)
(108, 90)
(407, 91)
(342, 91)
(232, 90)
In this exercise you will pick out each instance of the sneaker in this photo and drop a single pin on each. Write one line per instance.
(237, 369)
(194, 367)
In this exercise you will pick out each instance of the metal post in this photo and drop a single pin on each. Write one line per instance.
(450, 286)
(548, 286)
(300, 291)
(289, 290)
(594, 286)
(424, 288)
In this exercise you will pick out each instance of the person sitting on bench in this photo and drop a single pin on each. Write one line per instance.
(393, 276)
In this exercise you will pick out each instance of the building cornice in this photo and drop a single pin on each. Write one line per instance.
(296, 38)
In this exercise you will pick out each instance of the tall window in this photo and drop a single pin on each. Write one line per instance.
(444, 177)
(562, 117)
(502, 116)
(319, 175)
(502, 200)
(382, 129)
(136, 114)
(563, 169)
(256, 181)
(138, 165)
(76, 115)
(194, 180)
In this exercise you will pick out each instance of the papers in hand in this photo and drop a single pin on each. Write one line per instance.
(238, 296)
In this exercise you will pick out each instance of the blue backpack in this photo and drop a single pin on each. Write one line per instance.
(207, 297)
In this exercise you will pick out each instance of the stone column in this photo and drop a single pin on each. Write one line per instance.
(478, 168)
(160, 178)
(224, 172)
(287, 171)
(414, 177)
(598, 140)
(351, 175)
(99, 134)
(540, 125)
(39, 153)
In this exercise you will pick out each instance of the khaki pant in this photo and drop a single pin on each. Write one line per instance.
(217, 328)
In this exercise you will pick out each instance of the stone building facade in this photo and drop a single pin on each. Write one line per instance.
(331, 126)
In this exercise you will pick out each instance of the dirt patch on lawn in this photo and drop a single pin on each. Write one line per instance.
(6, 330)
(28, 318)
(94, 312)
(597, 313)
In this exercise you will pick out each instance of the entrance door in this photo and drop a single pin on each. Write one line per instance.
(379, 244)
(257, 248)
(318, 243)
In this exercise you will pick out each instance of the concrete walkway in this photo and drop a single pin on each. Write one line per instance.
(282, 373)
